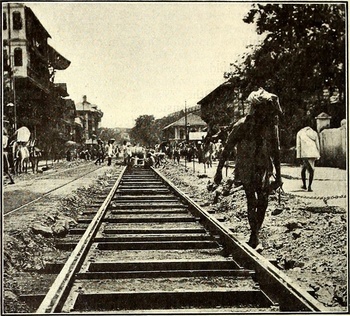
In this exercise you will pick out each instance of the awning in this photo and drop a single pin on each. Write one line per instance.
(197, 135)
(56, 60)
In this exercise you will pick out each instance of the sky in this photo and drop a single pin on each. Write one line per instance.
(147, 58)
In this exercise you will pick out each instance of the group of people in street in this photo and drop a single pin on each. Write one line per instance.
(205, 150)
(112, 151)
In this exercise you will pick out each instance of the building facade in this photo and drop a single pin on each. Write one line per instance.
(181, 129)
(31, 98)
(90, 117)
(223, 106)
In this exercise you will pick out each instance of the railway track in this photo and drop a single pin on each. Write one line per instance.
(148, 247)
(55, 188)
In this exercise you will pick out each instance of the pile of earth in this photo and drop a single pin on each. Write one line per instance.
(308, 243)
(29, 241)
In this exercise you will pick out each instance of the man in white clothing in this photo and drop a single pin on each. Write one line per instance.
(308, 150)
(110, 151)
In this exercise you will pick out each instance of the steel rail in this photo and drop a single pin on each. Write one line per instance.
(50, 191)
(58, 291)
(278, 286)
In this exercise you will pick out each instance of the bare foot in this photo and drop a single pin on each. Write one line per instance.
(253, 241)
(259, 248)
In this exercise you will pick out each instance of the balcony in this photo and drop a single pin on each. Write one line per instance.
(39, 78)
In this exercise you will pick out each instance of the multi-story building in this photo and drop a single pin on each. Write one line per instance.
(70, 126)
(222, 106)
(90, 117)
(31, 98)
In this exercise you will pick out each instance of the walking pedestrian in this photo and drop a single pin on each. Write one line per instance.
(128, 155)
(177, 154)
(100, 153)
(257, 140)
(308, 150)
(110, 151)
(5, 155)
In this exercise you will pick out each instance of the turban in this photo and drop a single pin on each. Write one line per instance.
(261, 97)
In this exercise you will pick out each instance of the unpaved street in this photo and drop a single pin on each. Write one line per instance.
(307, 242)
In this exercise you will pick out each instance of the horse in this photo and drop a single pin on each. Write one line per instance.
(21, 157)
(256, 136)
(34, 157)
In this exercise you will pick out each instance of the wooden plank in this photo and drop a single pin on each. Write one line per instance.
(169, 300)
(157, 245)
(149, 238)
(155, 231)
(149, 265)
(165, 274)
(149, 211)
(150, 219)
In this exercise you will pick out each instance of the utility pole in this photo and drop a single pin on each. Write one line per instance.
(11, 70)
(186, 136)
(15, 103)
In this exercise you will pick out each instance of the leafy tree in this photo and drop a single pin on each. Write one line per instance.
(145, 131)
(105, 134)
(302, 54)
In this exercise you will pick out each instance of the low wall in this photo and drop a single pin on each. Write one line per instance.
(333, 147)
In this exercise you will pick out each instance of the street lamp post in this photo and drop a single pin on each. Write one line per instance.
(188, 132)
(13, 86)
(13, 105)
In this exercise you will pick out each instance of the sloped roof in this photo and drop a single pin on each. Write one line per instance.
(56, 60)
(217, 92)
(39, 26)
(192, 120)
(86, 106)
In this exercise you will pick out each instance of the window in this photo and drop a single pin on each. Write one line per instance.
(17, 20)
(18, 57)
(5, 60)
(4, 21)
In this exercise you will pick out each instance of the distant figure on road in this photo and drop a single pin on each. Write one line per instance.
(100, 152)
(5, 154)
(308, 150)
(110, 151)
